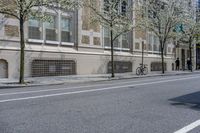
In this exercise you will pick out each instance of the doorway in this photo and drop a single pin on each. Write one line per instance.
(3, 69)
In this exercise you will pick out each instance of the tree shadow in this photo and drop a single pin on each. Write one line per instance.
(190, 100)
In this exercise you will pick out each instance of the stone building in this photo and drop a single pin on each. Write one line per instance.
(182, 49)
(71, 45)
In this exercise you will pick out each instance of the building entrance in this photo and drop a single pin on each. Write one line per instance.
(3, 69)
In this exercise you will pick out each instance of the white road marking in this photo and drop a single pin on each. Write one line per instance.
(94, 90)
(60, 89)
(190, 127)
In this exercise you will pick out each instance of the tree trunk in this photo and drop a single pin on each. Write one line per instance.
(162, 56)
(112, 54)
(22, 45)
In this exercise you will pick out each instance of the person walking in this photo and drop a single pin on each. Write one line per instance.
(188, 63)
(177, 64)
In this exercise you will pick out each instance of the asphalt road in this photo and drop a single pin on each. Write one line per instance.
(168, 104)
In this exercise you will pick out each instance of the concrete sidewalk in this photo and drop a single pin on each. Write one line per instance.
(41, 81)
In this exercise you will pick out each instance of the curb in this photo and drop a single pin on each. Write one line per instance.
(156, 75)
(135, 77)
(3, 86)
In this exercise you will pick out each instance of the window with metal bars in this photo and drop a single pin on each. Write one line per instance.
(41, 68)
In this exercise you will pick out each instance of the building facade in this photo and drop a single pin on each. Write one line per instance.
(197, 46)
(71, 45)
(182, 50)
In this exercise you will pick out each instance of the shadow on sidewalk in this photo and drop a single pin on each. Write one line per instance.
(190, 100)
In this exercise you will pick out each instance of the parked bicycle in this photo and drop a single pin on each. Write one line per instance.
(142, 70)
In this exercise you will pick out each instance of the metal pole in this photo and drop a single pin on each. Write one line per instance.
(142, 54)
(196, 57)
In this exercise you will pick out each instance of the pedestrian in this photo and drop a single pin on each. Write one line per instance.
(189, 64)
(177, 64)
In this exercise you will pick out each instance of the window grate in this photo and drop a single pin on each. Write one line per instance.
(120, 67)
(41, 68)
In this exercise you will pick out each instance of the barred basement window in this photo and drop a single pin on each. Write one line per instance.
(120, 66)
(157, 66)
(42, 68)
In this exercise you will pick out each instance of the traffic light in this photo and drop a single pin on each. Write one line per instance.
(179, 28)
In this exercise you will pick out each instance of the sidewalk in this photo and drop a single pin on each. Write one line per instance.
(41, 81)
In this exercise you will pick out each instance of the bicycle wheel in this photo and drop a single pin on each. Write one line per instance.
(145, 71)
(138, 71)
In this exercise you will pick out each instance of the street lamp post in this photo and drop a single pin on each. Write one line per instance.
(142, 54)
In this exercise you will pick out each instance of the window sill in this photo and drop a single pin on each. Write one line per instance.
(156, 52)
(125, 49)
(67, 44)
(52, 42)
(35, 41)
(140, 50)
(15, 39)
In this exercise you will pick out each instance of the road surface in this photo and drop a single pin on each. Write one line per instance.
(169, 104)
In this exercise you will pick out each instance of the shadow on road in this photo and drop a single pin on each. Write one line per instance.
(190, 100)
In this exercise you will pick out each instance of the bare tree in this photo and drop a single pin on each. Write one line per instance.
(161, 17)
(22, 10)
(115, 16)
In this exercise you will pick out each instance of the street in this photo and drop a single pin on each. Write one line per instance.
(164, 104)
